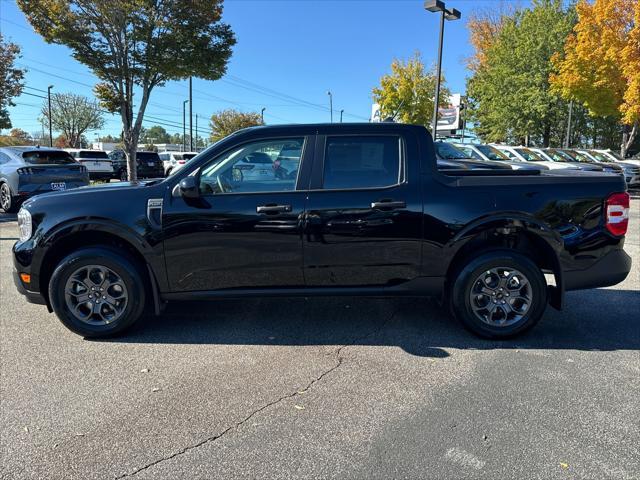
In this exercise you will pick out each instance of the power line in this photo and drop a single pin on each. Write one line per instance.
(147, 118)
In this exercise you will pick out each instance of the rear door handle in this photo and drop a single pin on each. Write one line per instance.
(271, 209)
(388, 204)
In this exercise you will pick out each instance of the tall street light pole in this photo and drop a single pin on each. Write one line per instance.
(50, 128)
(330, 104)
(190, 117)
(196, 133)
(262, 115)
(341, 112)
(445, 14)
(184, 126)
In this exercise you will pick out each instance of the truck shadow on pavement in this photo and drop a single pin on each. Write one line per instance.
(599, 319)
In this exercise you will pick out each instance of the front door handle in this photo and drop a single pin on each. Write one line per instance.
(388, 204)
(271, 209)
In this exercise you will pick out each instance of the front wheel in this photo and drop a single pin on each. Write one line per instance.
(97, 292)
(500, 294)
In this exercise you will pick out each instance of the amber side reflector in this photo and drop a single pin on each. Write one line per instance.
(25, 277)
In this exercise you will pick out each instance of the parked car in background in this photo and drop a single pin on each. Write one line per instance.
(524, 154)
(149, 165)
(559, 156)
(554, 155)
(631, 171)
(487, 153)
(28, 171)
(582, 158)
(617, 158)
(172, 161)
(452, 155)
(97, 162)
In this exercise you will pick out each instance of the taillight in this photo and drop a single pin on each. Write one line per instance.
(181, 162)
(25, 171)
(617, 213)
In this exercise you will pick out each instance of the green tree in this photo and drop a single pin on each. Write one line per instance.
(134, 46)
(156, 134)
(11, 84)
(72, 115)
(228, 121)
(407, 92)
(510, 95)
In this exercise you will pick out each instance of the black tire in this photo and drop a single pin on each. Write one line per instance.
(8, 202)
(123, 176)
(123, 267)
(469, 277)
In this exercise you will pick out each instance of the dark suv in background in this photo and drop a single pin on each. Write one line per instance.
(149, 165)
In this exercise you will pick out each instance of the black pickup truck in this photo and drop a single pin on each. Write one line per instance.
(340, 209)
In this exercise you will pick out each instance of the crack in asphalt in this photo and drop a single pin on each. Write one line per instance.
(339, 360)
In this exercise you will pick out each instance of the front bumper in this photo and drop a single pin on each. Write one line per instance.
(32, 297)
(611, 269)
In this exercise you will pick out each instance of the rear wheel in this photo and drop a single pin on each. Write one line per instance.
(499, 294)
(123, 175)
(97, 292)
(7, 202)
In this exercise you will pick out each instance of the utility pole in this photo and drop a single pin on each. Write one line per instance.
(330, 104)
(190, 116)
(184, 125)
(50, 128)
(341, 112)
(567, 140)
(196, 133)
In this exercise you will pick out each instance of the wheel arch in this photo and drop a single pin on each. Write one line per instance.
(72, 236)
(511, 232)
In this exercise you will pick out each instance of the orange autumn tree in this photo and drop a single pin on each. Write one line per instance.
(600, 67)
(484, 27)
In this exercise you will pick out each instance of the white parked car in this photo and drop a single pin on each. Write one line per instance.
(524, 154)
(617, 158)
(488, 153)
(630, 170)
(97, 162)
(173, 161)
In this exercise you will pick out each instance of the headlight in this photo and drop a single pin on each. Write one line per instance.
(24, 224)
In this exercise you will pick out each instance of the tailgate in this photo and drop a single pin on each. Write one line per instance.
(97, 165)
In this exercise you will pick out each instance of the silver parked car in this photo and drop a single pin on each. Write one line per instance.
(28, 171)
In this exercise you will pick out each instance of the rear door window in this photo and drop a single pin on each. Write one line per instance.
(362, 162)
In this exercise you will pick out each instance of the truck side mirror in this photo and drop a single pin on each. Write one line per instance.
(189, 187)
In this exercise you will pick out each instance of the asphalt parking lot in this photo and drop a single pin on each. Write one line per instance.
(323, 388)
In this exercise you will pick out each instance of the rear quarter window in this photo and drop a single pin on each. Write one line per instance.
(362, 162)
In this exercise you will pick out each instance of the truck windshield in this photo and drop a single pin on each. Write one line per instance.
(575, 156)
(47, 157)
(449, 152)
(529, 155)
(491, 153)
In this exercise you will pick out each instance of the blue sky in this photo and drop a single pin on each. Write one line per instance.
(300, 48)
